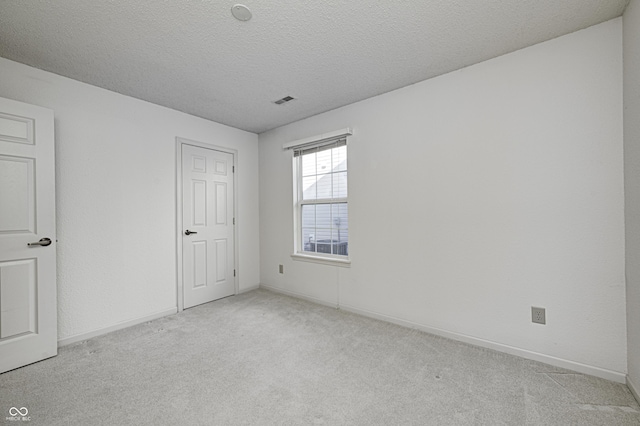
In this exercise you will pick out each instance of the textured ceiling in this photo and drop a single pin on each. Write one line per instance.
(193, 56)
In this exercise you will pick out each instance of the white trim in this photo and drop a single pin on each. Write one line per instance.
(318, 139)
(248, 289)
(299, 296)
(634, 389)
(118, 326)
(299, 202)
(603, 373)
(614, 376)
(179, 284)
(324, 260)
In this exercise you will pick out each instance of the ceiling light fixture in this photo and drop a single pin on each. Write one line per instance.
(241, 12)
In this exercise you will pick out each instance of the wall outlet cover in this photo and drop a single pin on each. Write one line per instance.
(538, 315)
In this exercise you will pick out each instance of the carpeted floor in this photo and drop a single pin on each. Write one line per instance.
(262, 358)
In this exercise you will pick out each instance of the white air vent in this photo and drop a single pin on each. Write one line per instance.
(284, 100)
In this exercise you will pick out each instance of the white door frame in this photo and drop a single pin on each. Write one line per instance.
(183, 141)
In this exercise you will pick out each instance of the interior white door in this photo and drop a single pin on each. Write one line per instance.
(28, 310)
(207, 219)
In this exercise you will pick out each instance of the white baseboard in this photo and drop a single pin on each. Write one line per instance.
(634, 389)
(603, 373)
(119, 326)
(523, 353)
(248, 289)
(299, 296)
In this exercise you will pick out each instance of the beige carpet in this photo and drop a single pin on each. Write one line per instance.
(262, 358)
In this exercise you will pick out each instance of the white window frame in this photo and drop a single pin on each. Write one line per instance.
(307, 143)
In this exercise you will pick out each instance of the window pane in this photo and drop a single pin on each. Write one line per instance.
(340, 215)
(340, 237)
(325, 227)
(324, 161)
(323, 186)
(309, 164)
(323, 216)
(309, 188)
(308, 239)
(323, 241)
(340, 185)
(308, 216)
(340, 231)
(339, 158)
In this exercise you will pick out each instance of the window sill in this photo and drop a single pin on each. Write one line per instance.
(344, 263)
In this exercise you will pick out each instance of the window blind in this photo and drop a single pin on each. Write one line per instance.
(318, 147)
(319, 140)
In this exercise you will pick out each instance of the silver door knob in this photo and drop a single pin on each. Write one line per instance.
(187, 232)
(43, 242)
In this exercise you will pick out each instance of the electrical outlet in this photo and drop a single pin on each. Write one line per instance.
(538, 315)
(281, 269)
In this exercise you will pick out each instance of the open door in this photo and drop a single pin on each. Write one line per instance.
(28, 309)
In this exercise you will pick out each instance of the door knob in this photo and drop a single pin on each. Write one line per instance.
(187, 232)
(43, 242)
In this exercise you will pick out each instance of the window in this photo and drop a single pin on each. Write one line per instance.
(321, 204)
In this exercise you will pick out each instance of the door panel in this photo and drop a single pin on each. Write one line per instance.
(221, 203)
(17, 192)
(199, 199)
(199, 263)
(207, 252)
(28, 311)
(16, 129)
(221, 260)
(17, 298)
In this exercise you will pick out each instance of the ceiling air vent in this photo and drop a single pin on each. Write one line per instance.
(284, 100)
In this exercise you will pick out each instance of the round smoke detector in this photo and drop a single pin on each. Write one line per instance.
(241, 12)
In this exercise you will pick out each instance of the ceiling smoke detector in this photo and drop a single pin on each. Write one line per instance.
(284, 100)
(241, 12)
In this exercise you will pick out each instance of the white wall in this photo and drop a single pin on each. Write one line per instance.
(116, 202)
(474, 196)
(631, 24)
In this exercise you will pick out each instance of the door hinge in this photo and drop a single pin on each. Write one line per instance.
(233, 169)
(234, 272)
(234, 220)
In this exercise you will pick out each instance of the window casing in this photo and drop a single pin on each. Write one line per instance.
(321, 204)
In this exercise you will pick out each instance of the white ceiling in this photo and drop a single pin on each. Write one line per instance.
(193, 56)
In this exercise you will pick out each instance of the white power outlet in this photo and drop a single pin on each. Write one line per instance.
(538, 315)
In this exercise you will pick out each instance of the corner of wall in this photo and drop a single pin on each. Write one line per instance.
(631, 90)
(634, 389)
